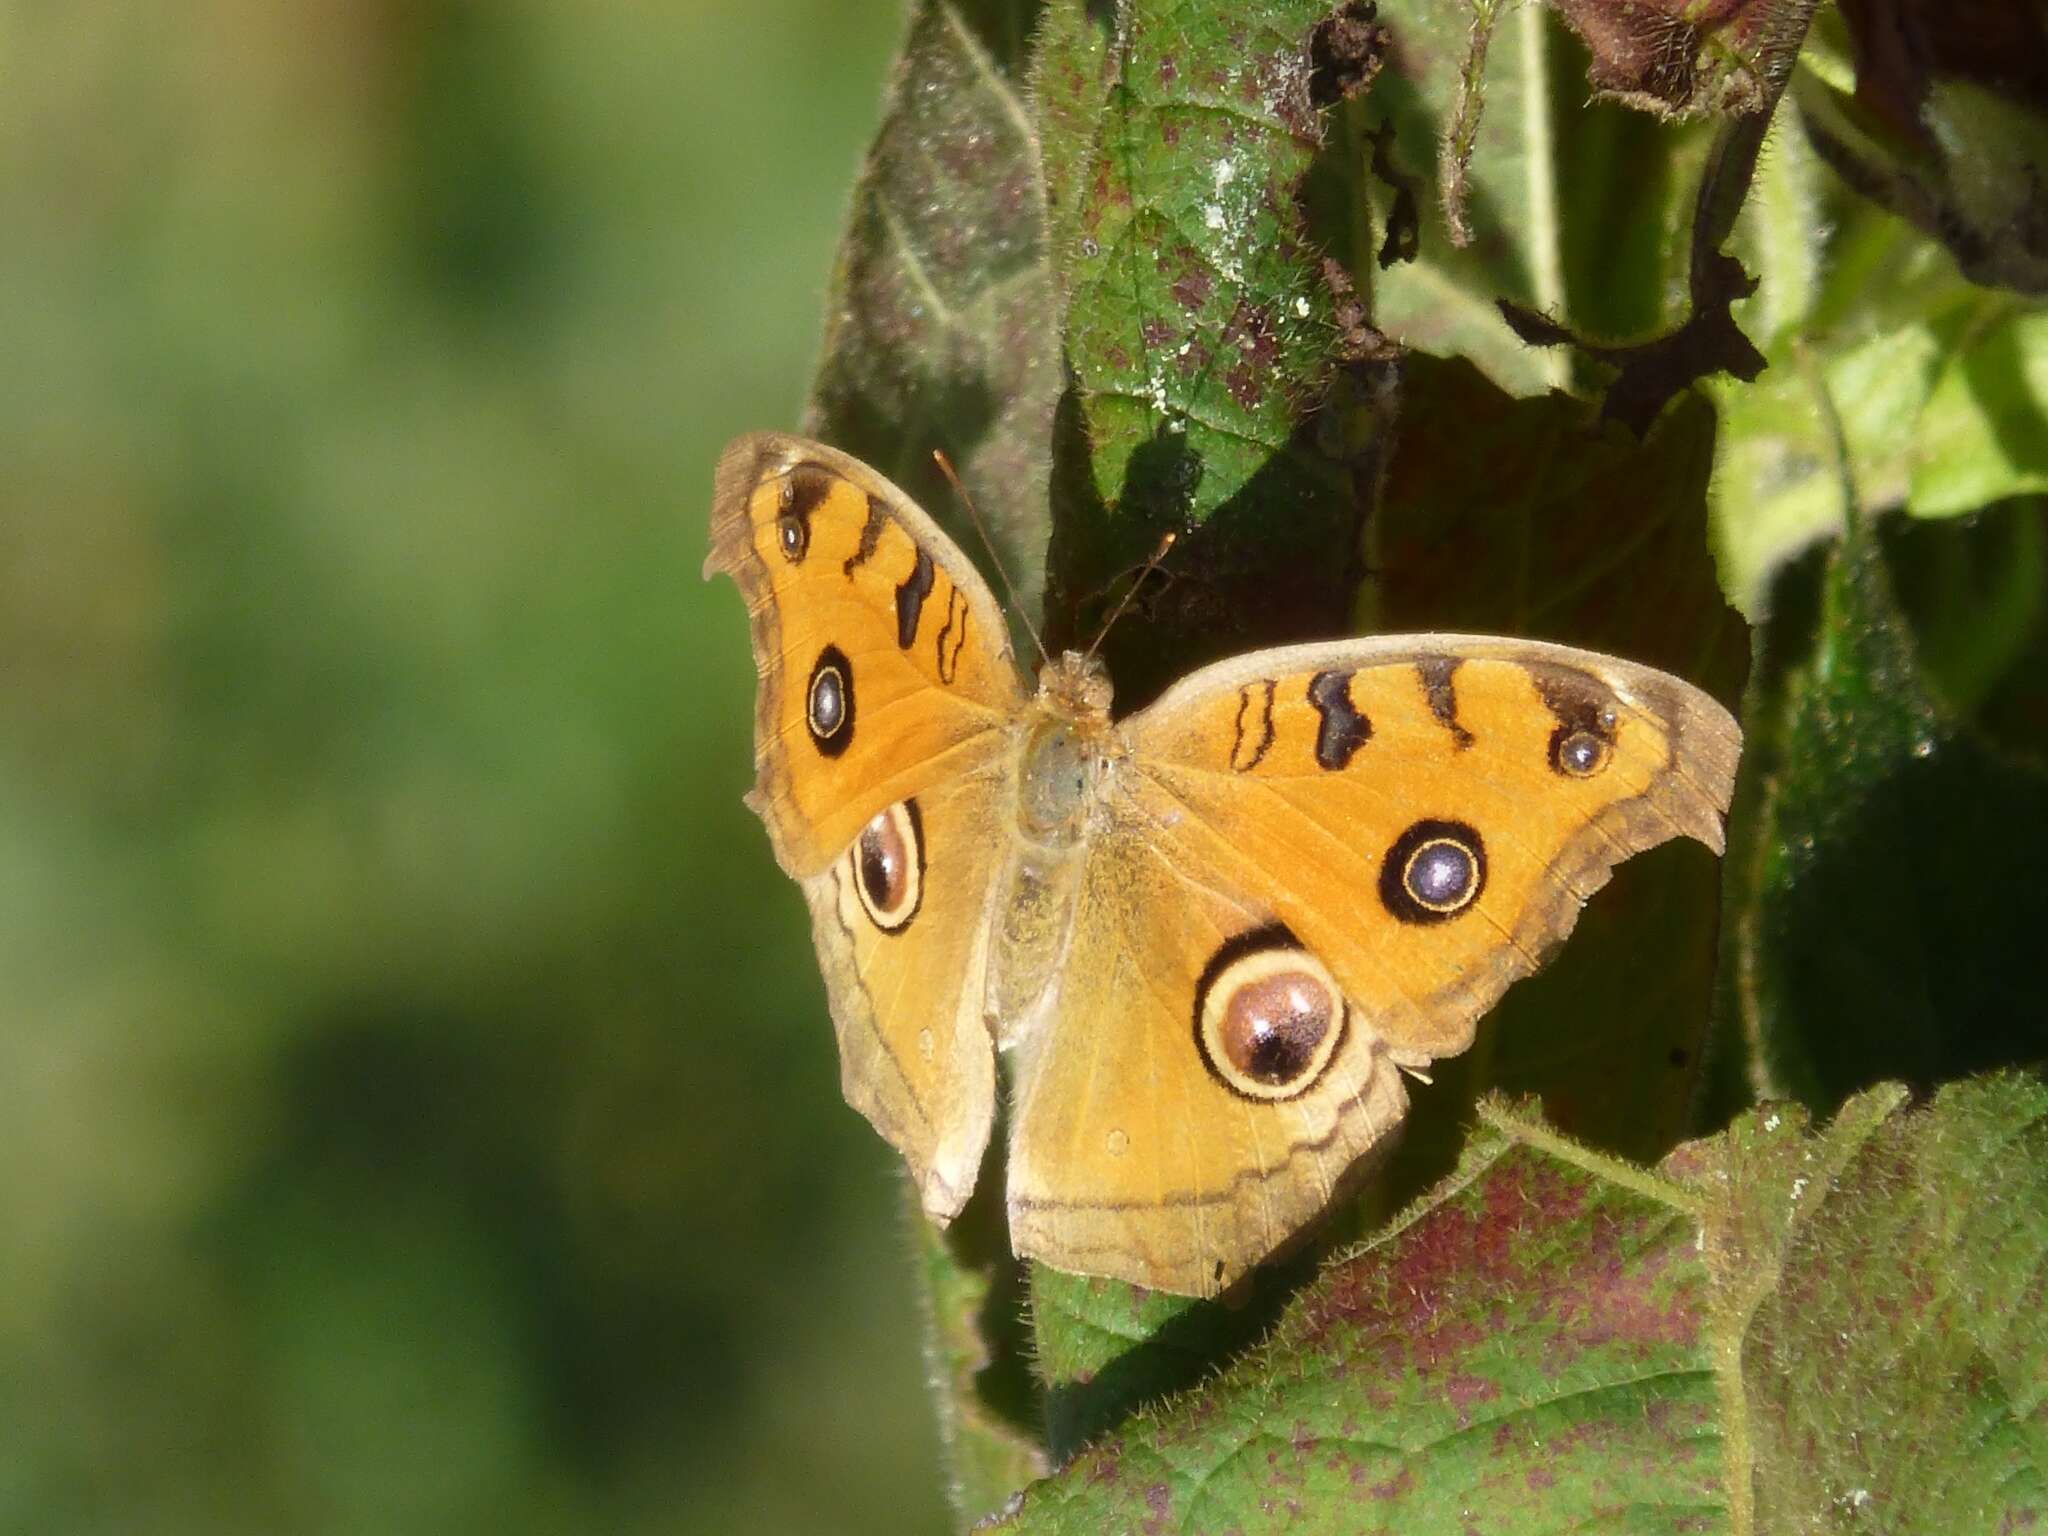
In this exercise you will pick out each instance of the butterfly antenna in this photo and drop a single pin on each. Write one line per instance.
(974, 516)
(1124, 602)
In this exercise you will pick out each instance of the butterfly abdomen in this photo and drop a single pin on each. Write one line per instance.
(1063, 762)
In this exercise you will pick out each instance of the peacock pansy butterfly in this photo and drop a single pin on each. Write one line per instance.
(1211, 933)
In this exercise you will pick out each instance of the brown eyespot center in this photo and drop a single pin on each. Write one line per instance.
(886, 863)
(1272, 1026)
(1269, 1017)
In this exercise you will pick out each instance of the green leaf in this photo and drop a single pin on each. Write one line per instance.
(1193, 307)
(1776, 1330)
(989, 1409)
(1885, 909)
(942, 329)
(1896, 1354)
(1881, 311)
(1943, 136)
(1983, 434)
(1495, 229)
(1199, 334)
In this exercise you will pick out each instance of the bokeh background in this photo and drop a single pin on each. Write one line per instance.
(417, 1107)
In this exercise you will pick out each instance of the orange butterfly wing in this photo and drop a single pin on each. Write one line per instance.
(881, 747)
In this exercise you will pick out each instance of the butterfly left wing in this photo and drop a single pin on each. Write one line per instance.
(1323, 861)
(881, 727)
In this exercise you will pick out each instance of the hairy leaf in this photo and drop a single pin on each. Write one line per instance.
(1884, 910)
(989, 1411)
(1776, 1330)
(1199, 333)
(1675, 58)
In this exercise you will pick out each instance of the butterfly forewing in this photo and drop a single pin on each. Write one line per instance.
(1428, 813)
(883, 661)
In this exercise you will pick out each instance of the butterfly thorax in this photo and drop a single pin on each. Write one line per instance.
(1064, 749)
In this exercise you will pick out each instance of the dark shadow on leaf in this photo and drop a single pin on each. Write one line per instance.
(1894, 926)
(1274, 564)
(1175, 1357)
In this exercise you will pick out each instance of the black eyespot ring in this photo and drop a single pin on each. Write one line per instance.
(1433, 871)
(828, 702)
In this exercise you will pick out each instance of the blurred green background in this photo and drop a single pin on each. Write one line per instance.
(420, 1112)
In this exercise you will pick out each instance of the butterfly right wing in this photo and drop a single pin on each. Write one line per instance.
(881, 733)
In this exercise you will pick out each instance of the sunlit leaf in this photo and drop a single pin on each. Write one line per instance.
(1775, 1330)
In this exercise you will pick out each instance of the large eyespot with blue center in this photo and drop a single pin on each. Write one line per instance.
(886, 864)
(828, 702)
(1269, 1016)
(1433, 871)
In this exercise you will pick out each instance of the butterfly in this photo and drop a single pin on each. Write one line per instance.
(1209, 936)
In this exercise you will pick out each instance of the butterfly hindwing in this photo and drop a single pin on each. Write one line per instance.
(1155, 1137)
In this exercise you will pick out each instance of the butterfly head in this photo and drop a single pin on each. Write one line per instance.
(1076, 687)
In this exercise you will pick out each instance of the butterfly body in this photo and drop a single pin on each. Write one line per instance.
(1062, 776)
(1208, 934)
